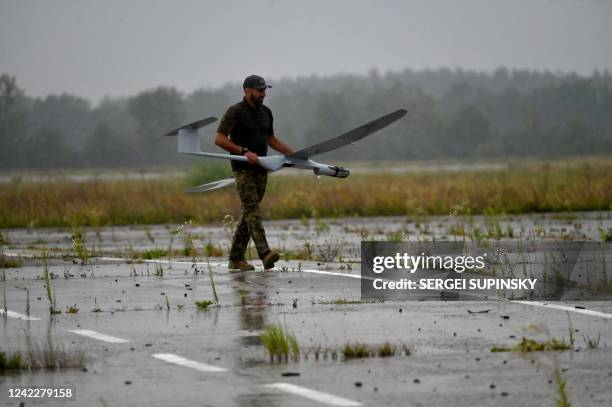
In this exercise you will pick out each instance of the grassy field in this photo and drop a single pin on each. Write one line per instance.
(527, 186)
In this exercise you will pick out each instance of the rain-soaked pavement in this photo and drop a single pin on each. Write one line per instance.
(139, 351)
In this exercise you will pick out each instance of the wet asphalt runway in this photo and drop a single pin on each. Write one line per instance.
(139, 352)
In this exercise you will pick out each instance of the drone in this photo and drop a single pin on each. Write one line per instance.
(189, 143)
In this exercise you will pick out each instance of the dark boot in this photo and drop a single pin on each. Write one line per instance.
(269, 259)
(240, 265)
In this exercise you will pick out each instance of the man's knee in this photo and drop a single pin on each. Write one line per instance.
(249, 208)
(252, 216)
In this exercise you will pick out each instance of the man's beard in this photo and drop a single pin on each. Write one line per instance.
(255, 100)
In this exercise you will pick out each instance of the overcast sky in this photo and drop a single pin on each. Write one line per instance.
(120, 47)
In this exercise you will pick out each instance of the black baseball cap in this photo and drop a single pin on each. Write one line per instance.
(255, 81)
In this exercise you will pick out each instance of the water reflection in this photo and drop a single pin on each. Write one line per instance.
(250, 292)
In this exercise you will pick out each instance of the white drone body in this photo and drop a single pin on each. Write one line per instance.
(189, 143)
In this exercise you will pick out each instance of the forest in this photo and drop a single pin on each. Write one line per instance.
(452, 114)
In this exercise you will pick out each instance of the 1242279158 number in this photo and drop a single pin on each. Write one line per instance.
(41, 392)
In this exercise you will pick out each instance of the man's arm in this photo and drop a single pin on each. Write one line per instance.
(223, 141)
(278, 145)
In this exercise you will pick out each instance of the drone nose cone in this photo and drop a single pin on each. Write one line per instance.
(343, 172)
(331, 171)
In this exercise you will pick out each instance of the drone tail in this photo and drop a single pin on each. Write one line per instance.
(188, 139)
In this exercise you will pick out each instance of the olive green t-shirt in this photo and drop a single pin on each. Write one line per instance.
(248, 127)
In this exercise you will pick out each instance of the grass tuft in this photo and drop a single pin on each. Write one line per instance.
(72, 309)
(212, 281)
(356, 351)
(159, 269)
(606, 235)
(12, 361)
(212, 250)
(49, 285)
(9, 262)
(344, 301)
(155, 253)
(386, 350)
(203, 305)
(280, 343)
(592, 342)
(78, 244)
(531, 345)
(41, 357)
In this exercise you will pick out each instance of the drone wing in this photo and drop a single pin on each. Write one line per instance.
(195, 125)
(213, 185)
(349, 137)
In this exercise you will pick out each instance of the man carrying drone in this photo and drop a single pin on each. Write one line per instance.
(247, 129)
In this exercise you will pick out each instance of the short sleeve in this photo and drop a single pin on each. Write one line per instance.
(227, 121)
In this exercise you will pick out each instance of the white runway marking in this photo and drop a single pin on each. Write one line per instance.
(181, 361)
(185, 263)
(566, 308)
(98, 336)
(16, 315)
(329, 273)
(29, 256)
(315, 395)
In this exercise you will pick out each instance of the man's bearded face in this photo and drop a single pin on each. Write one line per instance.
(256, 96)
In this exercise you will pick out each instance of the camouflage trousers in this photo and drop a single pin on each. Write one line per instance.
(251, 188)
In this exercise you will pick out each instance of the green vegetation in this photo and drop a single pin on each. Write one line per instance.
(606, 235)
(72, 309)
(280, 343)
(4, 305)
(212, 281)
(203, 305)
(386, 350)
(155, 253)
(159, 269)
(37, 357)
(78, 243)
(207, 172)
(531, 345)
(344, 301)
(27, 308)
(9, 262)
(358, 350)
(189, 249)
(562, 400)
(451, 113)
(6, 261)
(527, 187)
(11, 361)
(212, 250)
(49, 285)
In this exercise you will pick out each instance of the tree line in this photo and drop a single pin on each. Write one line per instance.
(451, 114)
